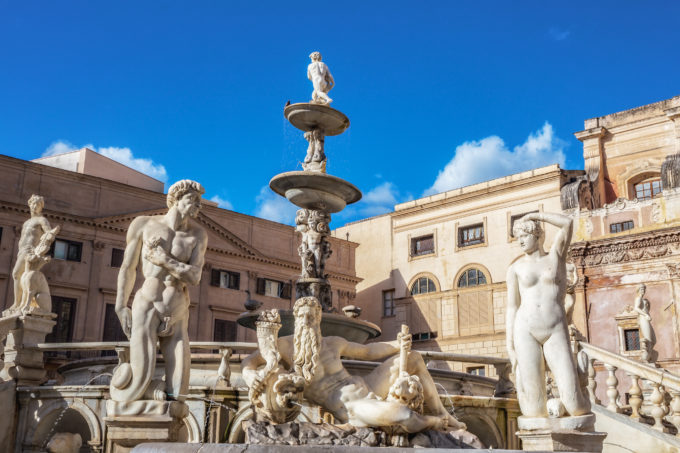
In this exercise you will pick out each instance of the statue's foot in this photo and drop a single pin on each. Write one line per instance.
(453, 423)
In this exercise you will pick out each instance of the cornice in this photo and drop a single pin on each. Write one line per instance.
(462, 198)
(634, 247)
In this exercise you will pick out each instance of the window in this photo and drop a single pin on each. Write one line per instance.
(632, 337)
(65, 308)
(424, 336)
(224, 330)
(423, 245)
(621, 226)
(471, 235)
(476, 370)
(471, 277)
(423, 285)
(66, 250)
(225, 279)
(117, 257)
(273, 288)
(647, 189)
(388, 303)
(112, 328)
(515, 218)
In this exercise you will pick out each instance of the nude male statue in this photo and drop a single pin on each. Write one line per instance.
(357, 400)
(536, 325)
(31, 233)
(171, 249)
(321, 78)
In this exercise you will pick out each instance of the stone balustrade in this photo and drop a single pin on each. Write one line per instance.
(658, 405)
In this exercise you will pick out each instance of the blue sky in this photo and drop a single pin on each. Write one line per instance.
(439, 94)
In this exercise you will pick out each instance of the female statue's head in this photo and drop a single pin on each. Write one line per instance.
(315, 56)
(186, 196)
(529, 233)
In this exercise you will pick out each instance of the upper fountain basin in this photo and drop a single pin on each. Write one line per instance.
(315, 190)
(307, 116)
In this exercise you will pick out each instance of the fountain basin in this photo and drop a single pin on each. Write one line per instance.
(332, 325)
(307, 117)
(313, 190)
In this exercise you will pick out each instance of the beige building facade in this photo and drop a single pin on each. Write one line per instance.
(244, 253)
(438, 263)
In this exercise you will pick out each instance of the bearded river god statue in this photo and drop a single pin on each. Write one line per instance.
(171, 251)
(306, 369)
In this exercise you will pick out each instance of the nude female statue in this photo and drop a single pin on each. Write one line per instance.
(171, 249)
(536, 326)
(321, 78)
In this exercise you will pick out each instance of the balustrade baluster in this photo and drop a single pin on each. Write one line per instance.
(635, 398)
(592, 383)
(612, 388)
(675, 408)
(657, 411)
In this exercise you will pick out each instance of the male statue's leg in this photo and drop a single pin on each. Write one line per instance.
(142, 357)
(177, 356)
(17, 272)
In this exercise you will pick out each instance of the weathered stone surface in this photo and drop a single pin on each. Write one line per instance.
(294, 433)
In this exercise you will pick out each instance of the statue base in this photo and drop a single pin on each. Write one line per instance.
(23, 363)
(576, 434)
(293, 433)
(129, 424)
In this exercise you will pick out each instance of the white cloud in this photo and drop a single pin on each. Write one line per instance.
(222, 203)
(379, 200)
(121, 155)
(558, 34)
(490, 158)
(272, 206)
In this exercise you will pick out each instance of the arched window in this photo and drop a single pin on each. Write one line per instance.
(423, 285)
(471, 277)
(649, 188)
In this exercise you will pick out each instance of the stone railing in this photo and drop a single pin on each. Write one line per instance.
(504, 386)
(659, 403)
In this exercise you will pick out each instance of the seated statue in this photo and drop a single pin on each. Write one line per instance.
(359, 401)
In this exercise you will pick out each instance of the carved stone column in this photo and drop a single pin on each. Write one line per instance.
(593, 155)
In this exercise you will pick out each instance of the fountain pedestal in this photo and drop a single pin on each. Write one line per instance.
(158, 421)
(23, 363)
(576, 434)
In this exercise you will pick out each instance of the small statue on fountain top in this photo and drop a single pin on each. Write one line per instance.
(321, 78)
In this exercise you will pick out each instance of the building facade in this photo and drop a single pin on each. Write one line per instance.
(244, 253)
(438, 263)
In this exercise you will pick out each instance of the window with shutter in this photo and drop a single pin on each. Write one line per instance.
(423, 245)
(224, 330)
(112, 328)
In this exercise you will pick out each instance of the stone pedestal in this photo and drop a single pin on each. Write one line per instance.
(316, 287)
(136, 422)
(576, 434)
(22, 363)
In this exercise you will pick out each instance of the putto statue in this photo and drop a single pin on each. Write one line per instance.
(321, 78)
(536, 330)
(171, 249)
(647, 336)
(359, 401)
(30, 284)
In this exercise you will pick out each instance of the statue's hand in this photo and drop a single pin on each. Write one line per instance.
(155, 255)
(125, 317)
(257, 385)
(406, 341)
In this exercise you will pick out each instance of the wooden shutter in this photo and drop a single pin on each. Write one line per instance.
(215, 278)
(285, 291)
(260, 286)
(237, 280)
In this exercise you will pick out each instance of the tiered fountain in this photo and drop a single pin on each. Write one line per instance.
(318, 194)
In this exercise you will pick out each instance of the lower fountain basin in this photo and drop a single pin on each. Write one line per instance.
(307, 116)
(332, 325)
(313, 190)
